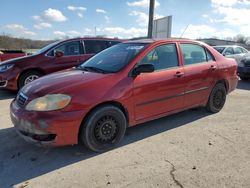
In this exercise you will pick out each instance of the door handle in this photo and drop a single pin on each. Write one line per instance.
(179, 74)
(213, 67)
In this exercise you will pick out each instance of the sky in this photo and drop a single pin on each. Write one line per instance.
(56, 19)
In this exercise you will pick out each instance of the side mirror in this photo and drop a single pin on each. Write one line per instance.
(59, 53)
(143, 68)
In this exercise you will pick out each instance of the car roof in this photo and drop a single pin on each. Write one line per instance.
(225, 46)
(92, 38)
(146, 40)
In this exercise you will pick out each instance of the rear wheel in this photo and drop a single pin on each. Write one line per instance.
(217, 98)
(104, 128)
(28, 77)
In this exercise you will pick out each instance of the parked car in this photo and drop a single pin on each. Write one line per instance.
(10, 54)
(16, 73)
(125, 85)
(236, 52)
(244, 68)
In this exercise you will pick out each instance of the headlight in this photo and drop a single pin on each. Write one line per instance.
(49, 103)
(4, 68)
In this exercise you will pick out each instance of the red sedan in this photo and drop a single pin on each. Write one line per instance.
(127, 84)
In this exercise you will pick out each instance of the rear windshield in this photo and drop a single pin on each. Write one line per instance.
(219, 49)
(114, 58)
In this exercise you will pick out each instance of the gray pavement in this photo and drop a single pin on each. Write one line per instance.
(189, 149)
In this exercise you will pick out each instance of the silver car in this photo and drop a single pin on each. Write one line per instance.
(236, 52)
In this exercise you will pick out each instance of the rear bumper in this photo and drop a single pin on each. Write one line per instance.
(55, 128)
(244, 71)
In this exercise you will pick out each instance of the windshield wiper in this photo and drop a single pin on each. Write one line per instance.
(94, 69)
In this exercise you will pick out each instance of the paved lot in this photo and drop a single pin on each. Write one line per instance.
(190, 149)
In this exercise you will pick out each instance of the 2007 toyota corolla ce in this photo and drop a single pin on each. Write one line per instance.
(127, 84)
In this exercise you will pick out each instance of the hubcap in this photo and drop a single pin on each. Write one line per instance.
(106, 129)
(218, 99)
(30, 78)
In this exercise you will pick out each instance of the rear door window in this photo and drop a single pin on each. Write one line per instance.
(193, 54)
(229, 51)
(95, 46)
(238, 50)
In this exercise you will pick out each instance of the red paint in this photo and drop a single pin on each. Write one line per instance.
(43, 63)
(145, 97)
(4, 57)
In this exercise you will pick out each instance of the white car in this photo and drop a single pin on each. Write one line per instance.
(236, 52)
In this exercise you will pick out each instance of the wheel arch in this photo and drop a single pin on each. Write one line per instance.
(225, 83)
(27, 70)
(112, 103)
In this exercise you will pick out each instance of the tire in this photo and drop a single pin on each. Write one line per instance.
(103, 129)
(217, 98)
(26, 75)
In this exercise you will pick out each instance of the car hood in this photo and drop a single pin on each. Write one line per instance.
(66, 82)
(17, 60)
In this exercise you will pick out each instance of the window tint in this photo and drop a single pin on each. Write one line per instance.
(69, 49)
(95, 46)
(162, 57)
(244, 50)
(238, 50)
(112, 43)
(193, 54)
(210, 57)
(219, 49)
(229, 51)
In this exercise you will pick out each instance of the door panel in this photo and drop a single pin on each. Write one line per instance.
(200, 73)
(198, 78)
(158, 92)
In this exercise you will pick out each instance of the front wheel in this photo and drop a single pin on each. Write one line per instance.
(217, 98)
(28, 77)
(104, 128)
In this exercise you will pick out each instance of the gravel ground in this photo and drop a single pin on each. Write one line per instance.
(189, 149)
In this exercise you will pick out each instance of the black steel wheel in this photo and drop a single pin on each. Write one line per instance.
(104, 128)
(217, 98)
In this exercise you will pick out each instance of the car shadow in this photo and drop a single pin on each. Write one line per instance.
(243, 85)
(20, 161)
(4, 94)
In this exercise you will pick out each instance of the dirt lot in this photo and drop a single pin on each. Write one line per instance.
(189, 149)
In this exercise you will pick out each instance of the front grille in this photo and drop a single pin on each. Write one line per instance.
(21, 99)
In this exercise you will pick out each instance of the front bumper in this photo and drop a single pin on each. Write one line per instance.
(244, 71)
(8, 80)
(56, 128)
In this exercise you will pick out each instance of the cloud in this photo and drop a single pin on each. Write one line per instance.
(59, 33)
(74, 33)
(100, 11)
(20, 30)
(79, 10)
(50, 15)
(73, 8)
(124, 32)
(142, 18)
(198, 31)
(42, 25)
(232, 13)
(107, 19)
(54, 15)
(142, 3)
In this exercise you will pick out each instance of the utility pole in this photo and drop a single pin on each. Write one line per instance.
(151, 18)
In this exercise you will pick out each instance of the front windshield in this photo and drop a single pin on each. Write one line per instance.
(114, 58)
(44, 49)
(219, 49)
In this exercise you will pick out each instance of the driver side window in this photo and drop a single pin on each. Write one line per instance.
(162, 57)
(69, 49)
